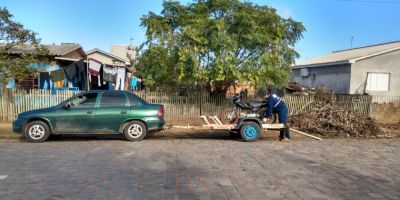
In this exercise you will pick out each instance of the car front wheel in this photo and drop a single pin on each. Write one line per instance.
(37, 131)
(135, 131)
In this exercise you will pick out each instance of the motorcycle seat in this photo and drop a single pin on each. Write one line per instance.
(257, 104)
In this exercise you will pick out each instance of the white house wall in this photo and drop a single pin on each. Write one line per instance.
(385, 63)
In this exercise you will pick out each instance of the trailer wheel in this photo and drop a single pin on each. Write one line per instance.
(250, 131)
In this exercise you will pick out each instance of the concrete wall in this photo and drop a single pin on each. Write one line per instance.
(386, 63)
(334, 78)
(123, 51)
(387, 113)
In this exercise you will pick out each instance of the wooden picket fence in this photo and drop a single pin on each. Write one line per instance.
(14, 101)
(178, 107)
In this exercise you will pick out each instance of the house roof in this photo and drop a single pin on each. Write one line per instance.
(107, 54)
(349, 56)
(54, 50)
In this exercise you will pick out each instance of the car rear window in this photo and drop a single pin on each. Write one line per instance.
(135, 100)
(112, 100)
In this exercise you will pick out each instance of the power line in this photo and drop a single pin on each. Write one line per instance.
(373, 1)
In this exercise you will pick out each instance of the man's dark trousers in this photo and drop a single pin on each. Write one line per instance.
(282, 117)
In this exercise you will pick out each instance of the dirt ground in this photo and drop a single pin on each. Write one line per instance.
(6, 133)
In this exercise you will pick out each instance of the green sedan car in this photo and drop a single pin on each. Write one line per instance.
(109, 112)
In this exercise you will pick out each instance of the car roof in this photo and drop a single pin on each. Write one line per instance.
(107, 91)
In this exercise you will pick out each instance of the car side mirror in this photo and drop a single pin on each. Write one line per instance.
(66, 106)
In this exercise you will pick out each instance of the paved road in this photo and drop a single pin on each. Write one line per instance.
(200, 168)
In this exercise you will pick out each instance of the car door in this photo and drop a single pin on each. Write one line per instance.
(112, 110)
(78, 116)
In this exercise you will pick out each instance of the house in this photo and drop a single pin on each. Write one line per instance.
(127, 52)
(371, 69)
(59, 55)
(133, 80)
(107, 58)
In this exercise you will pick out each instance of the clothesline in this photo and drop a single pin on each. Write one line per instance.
(90, 74)
(87, 60)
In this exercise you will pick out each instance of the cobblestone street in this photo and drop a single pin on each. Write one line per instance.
(199, 168)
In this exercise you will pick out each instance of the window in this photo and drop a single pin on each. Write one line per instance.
(84, 101)
(304, 72)
(378, 81)
(135, 100)
(112, 100)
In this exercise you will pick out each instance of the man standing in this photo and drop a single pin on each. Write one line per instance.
(275, 104)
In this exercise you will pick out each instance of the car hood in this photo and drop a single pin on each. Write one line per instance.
(36, 112)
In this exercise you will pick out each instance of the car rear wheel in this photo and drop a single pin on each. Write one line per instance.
(135, 131)
(37, 131)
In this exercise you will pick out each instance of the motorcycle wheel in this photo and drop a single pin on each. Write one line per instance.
(229, 116)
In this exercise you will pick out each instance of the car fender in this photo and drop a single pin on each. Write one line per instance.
(123, 125)
(43, 119)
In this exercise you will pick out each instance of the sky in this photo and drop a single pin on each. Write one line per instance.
(330, 24)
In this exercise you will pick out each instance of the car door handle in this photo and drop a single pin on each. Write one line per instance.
(89, 112)
(124, 112)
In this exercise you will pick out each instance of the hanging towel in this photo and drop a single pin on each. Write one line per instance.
(134, 82)
(57, 75)
(109, 74)
(71, 72)
(94, 70)
(94, 67)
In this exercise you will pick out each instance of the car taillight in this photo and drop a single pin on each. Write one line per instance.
(160, 113)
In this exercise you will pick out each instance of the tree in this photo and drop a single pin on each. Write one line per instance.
(14, 35)
(217, 42)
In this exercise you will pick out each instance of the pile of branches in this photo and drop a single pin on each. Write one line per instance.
(331, 120)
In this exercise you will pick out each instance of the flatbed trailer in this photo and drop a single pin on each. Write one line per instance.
(249, 128)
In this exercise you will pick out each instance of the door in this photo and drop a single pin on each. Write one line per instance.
(112, 111)
(78, 116)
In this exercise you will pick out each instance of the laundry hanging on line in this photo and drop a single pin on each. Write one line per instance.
(109, 74)
(57, 77)
(94, 70)
(76, 74)
(120, 81)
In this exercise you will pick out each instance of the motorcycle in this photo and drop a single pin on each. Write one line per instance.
(241, 109)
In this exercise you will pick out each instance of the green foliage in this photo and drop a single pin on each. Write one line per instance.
(14, 35)
(218, 41)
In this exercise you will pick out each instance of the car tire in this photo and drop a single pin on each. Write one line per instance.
(250, 131)
(135, 131)
(36, 132)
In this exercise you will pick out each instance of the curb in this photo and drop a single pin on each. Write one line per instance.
(10, 137)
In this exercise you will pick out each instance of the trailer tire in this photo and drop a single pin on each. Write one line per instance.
(250, 131)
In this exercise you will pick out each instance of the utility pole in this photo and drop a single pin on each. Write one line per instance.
(351, 42)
